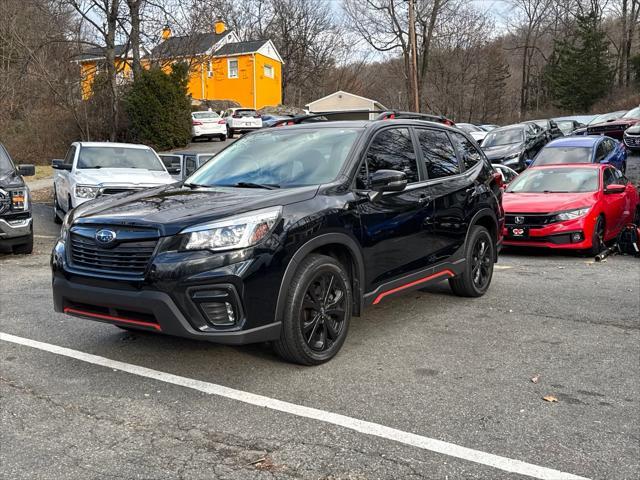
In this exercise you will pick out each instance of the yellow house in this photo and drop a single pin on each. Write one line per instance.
(91, 63)
(224, 68)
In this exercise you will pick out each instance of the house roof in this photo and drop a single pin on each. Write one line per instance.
(342, 92)
(238, 48)
(96, 53)
(194, 44)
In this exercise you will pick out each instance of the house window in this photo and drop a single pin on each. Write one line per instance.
(209, 69)
(233, 68)
(268, 71)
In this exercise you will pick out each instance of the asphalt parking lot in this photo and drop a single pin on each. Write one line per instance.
(425, 363)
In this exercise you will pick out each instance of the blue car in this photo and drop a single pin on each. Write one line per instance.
(583, 149)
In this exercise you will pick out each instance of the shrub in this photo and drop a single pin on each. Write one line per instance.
(159, 108)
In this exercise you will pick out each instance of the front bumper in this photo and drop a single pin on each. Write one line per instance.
(10, 229)
(556, 236)
(632, 142)
(228, 297)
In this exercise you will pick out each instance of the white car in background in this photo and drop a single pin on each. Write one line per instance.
(476, 132)
(92, 169)
(241, 120)
(208, 125)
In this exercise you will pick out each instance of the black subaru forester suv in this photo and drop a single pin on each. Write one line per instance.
(286, 234)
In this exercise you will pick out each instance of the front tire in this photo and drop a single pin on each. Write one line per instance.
(480, 257)
(597, 239)
(317, 312)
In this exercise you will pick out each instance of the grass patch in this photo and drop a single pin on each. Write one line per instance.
(42, 171)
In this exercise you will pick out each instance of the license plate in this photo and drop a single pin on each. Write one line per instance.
(518, 232)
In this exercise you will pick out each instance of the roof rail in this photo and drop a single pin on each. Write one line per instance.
(382, 115)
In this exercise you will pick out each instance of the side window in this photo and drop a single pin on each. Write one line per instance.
(601, 152)
(470, 154)
(71, 153)
(438, 153)
(609, 177)
(190, 165)
(391, 149)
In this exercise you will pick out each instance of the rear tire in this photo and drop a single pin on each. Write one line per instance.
(317, 312)
(480, 257)
(222, 138)
(597, 239)
(25, 248)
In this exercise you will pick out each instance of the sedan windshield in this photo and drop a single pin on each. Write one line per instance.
(5, 162)
(279, 158)
(504, 137)
(556, 180)
(118, 157)
(555, 155)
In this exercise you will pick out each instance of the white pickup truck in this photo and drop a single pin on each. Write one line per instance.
(92, 169)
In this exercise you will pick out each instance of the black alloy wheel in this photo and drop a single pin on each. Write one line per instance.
(479, 259)
(323, 311)
(317, 311)
(597, 240)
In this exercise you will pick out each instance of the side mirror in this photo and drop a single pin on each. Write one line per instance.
(388, 181)
(60, 165)
(26, 170)
(173, 170)
(56, 162)
(615, 188)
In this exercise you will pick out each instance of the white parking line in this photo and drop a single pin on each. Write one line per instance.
(362, 426)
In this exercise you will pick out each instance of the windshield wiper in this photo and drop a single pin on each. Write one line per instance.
(266, 186)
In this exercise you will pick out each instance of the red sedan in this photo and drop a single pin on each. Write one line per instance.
(576, 207)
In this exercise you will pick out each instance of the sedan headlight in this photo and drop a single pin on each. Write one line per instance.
(236, 232)
(86, 191)
(570, 215)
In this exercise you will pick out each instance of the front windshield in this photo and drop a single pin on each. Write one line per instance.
(565, 126)
(118, 157)
(541, 123)
(556, 180)
(5, 162)
(509, 136)
(634, 113)
(280, 158)
(555, 155)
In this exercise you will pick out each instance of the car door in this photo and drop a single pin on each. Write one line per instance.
(450, 192)
(393, 239)
(614, 203)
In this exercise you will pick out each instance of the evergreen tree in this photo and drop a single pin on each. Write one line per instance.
(159, 108)
(579, 72)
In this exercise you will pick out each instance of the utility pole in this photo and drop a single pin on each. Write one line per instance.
(415, 99)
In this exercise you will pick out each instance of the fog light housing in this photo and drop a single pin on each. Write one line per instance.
(577, 237)
(219, 314)
(220, 306)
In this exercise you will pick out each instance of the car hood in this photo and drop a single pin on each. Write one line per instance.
(175, 207)
(546, 202)
(501, 151)
(10, 179)
(122, 176)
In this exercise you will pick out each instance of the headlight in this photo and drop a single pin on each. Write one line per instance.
(86, 191)
(570, 215)
(236, 232)
(19, 199)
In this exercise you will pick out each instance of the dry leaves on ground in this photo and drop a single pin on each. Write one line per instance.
(550, 398)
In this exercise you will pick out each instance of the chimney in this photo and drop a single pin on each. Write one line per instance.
(219, 26)
(166, 32)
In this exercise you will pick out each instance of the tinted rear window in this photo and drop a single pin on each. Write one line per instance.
(205, 115)
(246, 113)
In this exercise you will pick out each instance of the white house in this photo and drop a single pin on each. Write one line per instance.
(346, 102)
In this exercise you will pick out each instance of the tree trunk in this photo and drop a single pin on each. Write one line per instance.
(110, 57)
(134, 37)
(426, 46)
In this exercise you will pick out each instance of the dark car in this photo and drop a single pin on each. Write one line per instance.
(514, 145)
(631, 138)
(583, 149)
(16, 225)
(269, 120)
(568, 126)
(550, 127)
(286, 235)
(182, 164)
(615, 128)
(598, 119)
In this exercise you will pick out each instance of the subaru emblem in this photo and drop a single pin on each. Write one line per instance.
(105, 237)
(519, 220)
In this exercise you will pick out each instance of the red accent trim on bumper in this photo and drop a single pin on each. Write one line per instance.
(446, 272)
(101, 316)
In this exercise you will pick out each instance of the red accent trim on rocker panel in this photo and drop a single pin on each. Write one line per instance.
(113, 319)
(447, 272)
